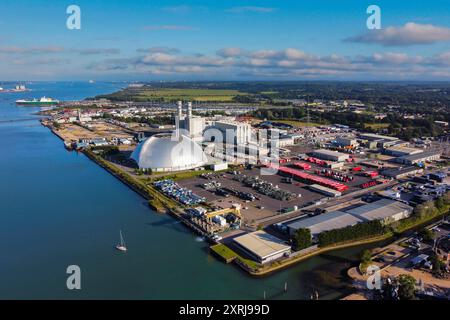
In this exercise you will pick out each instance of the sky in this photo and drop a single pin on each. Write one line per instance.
(224, 40)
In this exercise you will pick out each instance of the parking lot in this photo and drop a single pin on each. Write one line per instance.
(263, 206)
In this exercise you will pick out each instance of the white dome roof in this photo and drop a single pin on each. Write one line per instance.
(164, 152)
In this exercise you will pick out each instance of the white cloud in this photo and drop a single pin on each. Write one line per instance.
(409, 34)
(251, 9)
(31, 50)
(286, 63)
(95, 51)
(230, 52)
(158, 50)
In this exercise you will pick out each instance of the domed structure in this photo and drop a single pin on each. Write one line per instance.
(163, 152)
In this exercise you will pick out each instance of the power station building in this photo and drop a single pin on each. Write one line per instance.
(166, 152)
(188, 124)
(239, 133)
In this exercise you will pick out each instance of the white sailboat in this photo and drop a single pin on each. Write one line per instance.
(121, 246)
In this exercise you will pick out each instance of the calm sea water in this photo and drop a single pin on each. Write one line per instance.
(57, 208)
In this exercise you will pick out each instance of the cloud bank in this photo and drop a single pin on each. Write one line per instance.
(289, 63)
(409, 34)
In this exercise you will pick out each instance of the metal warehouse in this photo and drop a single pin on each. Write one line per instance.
(262, 246)
(399, 173)
(330, 155)
(385, 210)
(324, 222)
(420, 157)
(313, 179)
(398, 151)
(326, 191)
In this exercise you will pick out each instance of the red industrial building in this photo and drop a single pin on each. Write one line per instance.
(303, 165)
(313, 178)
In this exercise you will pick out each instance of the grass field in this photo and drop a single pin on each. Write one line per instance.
(227, 254)
(189, 94)
(297, 123)
(376, 126)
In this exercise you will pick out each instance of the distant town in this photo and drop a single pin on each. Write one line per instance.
(273, 174)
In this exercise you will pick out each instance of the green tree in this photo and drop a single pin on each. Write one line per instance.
(365, 257)
(406, 287)
(302, 239)
(427, 235)
(56, 125)
(438, 265)
(440, 203)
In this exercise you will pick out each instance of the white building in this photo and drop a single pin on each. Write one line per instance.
(163, 153)
(192, 125)
(330, 155)
(239, 132)
(386, 210)
(262, 246)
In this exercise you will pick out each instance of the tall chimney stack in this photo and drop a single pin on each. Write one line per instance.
(190, 109)
(180, 109)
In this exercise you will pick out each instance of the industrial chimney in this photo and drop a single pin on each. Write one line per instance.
(189, 109)
(180, 109)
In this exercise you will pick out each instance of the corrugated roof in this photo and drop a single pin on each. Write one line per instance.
(422, 155)
(380, 209)
(325, 222)
(261, 243)
(329, 152)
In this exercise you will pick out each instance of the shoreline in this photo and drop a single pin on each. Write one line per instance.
(162, 204)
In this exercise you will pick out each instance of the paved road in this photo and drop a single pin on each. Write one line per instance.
(328, 201)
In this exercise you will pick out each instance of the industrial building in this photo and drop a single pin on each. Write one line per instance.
(310, 178)
(346, 142)
(398, 151)
(240, 132)
(190, 125)
(325, 191)
(324, 222)
(262, 247)
(373, 137)
(330, 155)
(283, 141)
(420, 158)
(219, 166)
(386, 210)
(165, 152)
(399, 173)
(380, 141)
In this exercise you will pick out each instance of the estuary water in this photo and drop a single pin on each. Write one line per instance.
(57, 208)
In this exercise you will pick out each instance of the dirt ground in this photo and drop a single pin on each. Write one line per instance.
(74, 132)
(395, 262)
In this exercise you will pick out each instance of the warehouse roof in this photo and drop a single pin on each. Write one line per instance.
(380, 209)
(377, 136)
(261, 243)
(422, 155)
(329, 152)
(399, 171)
(325, 222)
(318, 187)
(406, 150)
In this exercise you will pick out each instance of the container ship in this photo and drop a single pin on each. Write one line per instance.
(42, 101)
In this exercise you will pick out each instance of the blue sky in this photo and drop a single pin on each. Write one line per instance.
(226, 40)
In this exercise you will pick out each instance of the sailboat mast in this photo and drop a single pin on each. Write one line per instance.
(122, 242)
